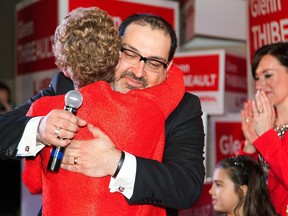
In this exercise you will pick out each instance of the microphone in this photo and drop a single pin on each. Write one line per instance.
(73, 100)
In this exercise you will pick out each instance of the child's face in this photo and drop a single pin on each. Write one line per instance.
(224, 197)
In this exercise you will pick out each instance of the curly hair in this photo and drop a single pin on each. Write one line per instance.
(87, 45)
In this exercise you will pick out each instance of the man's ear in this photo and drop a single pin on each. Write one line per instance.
(169, 65)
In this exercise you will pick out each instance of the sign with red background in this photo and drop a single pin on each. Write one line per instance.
(235, 74)
(204, 76)
(122, 9)
(201, 72)
(268, 23)
(35, 27)
(229, 137)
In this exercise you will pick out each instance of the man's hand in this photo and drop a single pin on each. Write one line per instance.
(95, 158)
(65, 122)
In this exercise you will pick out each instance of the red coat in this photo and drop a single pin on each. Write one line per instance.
(135, 123)
(275, 152)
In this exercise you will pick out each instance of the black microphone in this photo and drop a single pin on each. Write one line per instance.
(73, 100)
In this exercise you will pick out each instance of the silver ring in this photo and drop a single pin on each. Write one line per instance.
(247, 119)
(260, 111)
(75, 161)
(57, 131)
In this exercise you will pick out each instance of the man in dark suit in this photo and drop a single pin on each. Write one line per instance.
(177, 181)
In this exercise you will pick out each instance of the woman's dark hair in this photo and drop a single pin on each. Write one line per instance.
(155, 22)
(277, 50)
(243, 170)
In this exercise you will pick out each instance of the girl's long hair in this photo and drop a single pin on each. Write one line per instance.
(243, 170)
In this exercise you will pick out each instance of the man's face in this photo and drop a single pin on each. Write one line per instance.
(151, 44)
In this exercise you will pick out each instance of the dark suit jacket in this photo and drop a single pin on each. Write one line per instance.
(176, 182)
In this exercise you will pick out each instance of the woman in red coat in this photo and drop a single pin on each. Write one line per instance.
(134, 121)
(265, 120)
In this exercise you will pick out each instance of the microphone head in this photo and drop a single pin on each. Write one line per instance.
(73, 99)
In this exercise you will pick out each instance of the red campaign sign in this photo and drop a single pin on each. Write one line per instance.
(268, 23)
(235, 74)
(35, 27)
(229, 137)
(201, 72)
(120, 10)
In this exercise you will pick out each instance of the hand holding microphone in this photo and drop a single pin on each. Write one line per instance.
(73, 100)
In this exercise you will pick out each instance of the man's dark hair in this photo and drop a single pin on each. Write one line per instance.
(155, 22)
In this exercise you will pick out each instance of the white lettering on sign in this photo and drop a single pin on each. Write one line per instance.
(236, 81)
(264, 7)
(185, 68)
(270, 32)
(208, 99)
(25, 29)
(200, 80)
(230, 67)
(228, 145)
(35, 50)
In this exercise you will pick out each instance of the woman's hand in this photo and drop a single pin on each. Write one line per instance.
(248, 123)
(264, 113)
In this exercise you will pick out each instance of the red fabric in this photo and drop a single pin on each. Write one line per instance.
(135, 123)
(275, 152)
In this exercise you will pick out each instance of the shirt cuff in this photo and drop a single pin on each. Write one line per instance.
(125, 180)
(28, 145)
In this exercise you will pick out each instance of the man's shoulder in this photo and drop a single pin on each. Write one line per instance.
(189, 105)
(187, 110)
(61, 84)
(189, 99)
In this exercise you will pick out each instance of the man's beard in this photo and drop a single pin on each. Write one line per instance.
(127, 87)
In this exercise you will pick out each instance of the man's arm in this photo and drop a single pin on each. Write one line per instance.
(178, 180)
(13, 123)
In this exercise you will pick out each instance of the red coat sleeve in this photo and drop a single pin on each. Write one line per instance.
(275, 152)
(32, 174)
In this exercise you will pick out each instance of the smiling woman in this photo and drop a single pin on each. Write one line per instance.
(264, 120)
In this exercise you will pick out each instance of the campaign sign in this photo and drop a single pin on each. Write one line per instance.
(35, 27)
(214, 75)
(224, 138)
(268, 23)
(204, 76)
(118, 9)
(236, 86)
